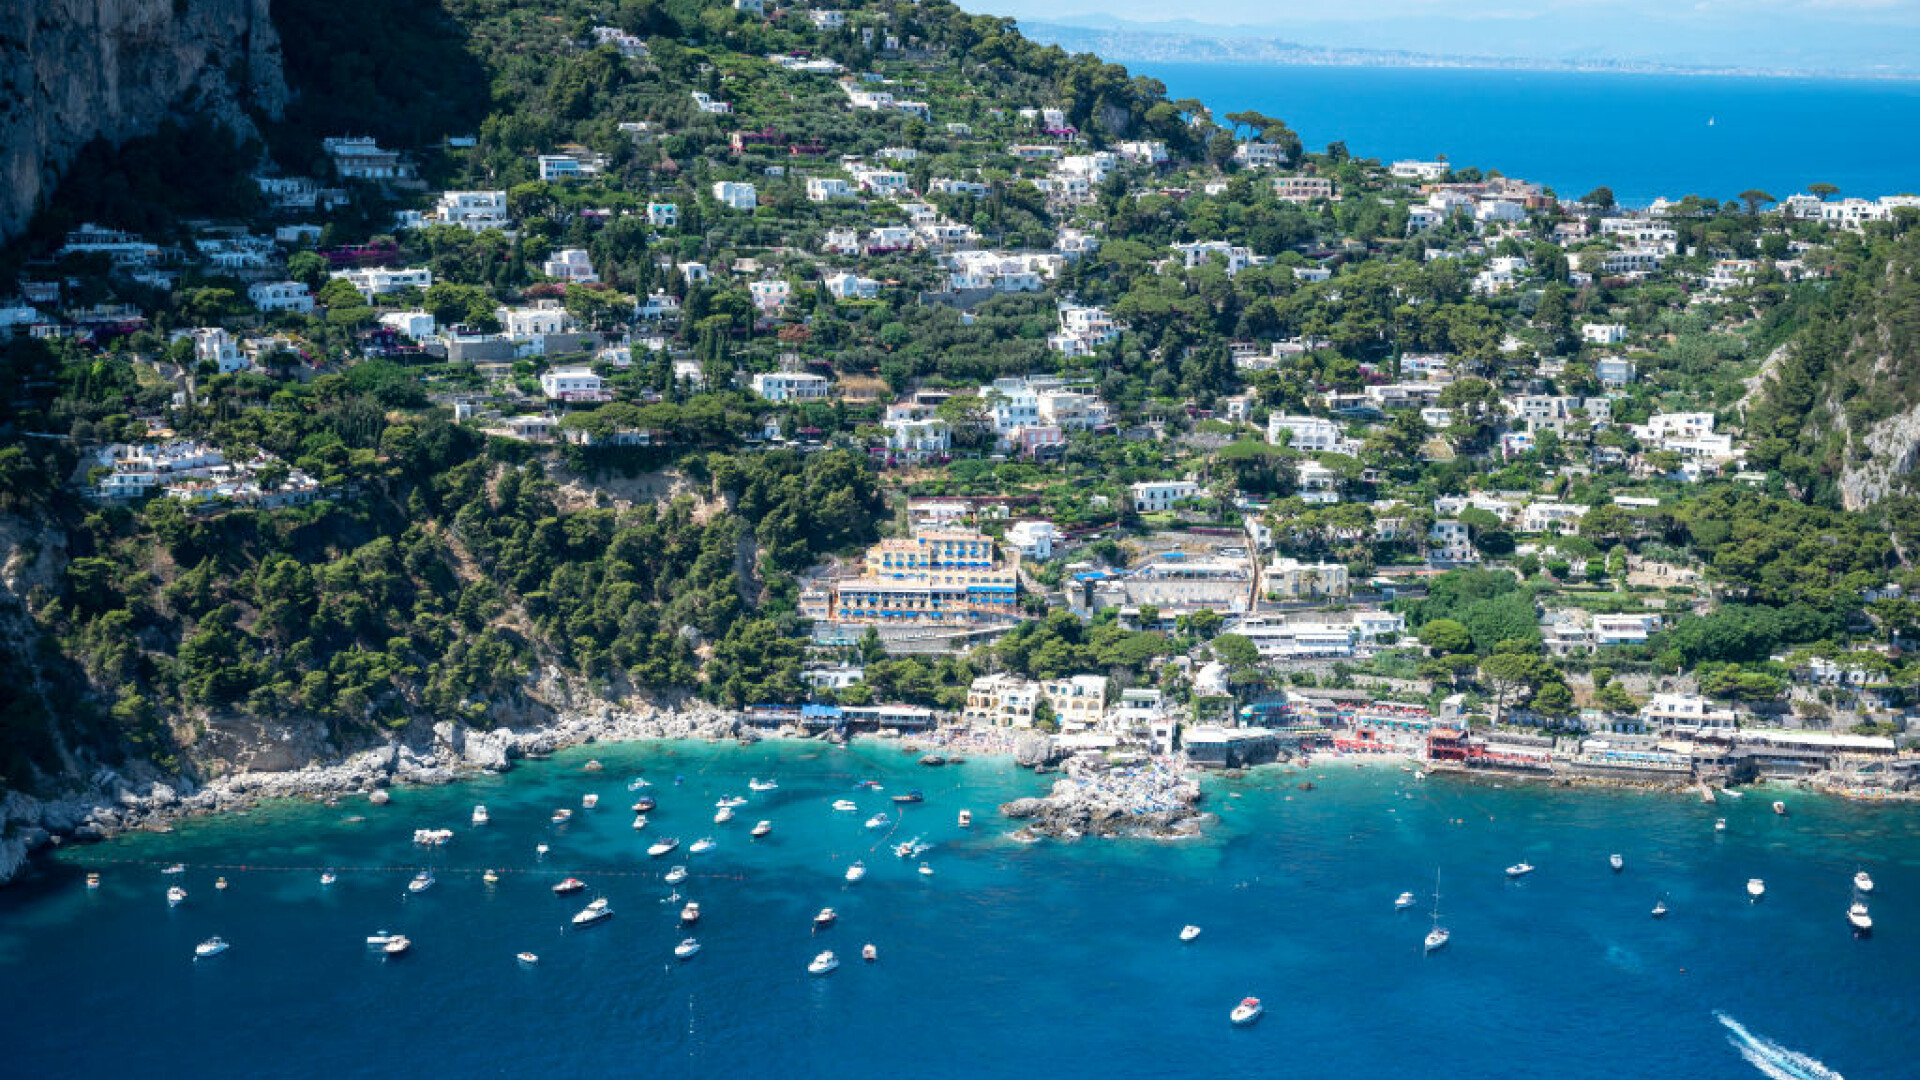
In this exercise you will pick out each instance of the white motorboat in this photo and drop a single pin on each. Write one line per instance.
(757, 784)
(1189, 932)
(379, 940)
(703, 845)
(432, 837)
(686, 949)
(662, 846)
(490, 877)
(1720, 824)
(594, 912)
(176, 868)
(480, 815)
(540, 849)
(1439, 935)
(823, 963)
(93, 879)
(728, 802)
(1858, 918)
(879, 821)
(571, 885)
(176, 896)
(397, 945)
(213, 946)
(220, 883)
(676, 875)
(1780, 808)
(691, 913)
(1616, 861)
(723, 815)
(1520, 869)
(966, 819)
(925, 870)
(639, 822)
(845, 806)
(327, 877)
(644, 804)
(526, 958)
(421, 882)
(1403, 901)
(869, 953)
(1756, 888)
(562, 816)
(1660, 908)
(589, 801)
(761, 829)
(856, 872)
(827, 917)
(1863, 882)
(593, 765)
(638, 782)
(1247, 1011)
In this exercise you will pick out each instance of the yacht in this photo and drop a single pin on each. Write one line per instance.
(562, 816)
(1863, 882)
(220, 883)
(214, 946)
(676, 875)
(1756, 888)
(1660, 907)
(757, 784)
(644, 804)
(379, 940)
(823, 963)
(910, 797)
(730, 801)
(1247, 1011)
(856, 872)
(686, 949)
(1189, 932)
(723, 815)
(490, 877)
(480, 815)
(176, 896)
(571, 885)
(593, 912)
(869, 953)
(1720, 824)
(1403, 901)
(93, 879)
(703, 845)
(761, 829)
(589, 801)
(421, 882)
(925, 870)
(1616, 861)
(966, 819)
(639, 822)
(526, 958)
(540, 849)
(691, 913)
(176, 868)
(1858, 918)
(1439, 935)
(1780, 808)
(396, 945)
(662, 846)
(327, 877)
(826, 918)
(1520, 869)
(845, 806)
(879, 821)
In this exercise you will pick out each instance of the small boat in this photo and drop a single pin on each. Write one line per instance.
(594, 912)
(869, 953)
(639, 822)
(638, 782)
(589, 801)
(966, 819)
(723, 815)
(1189, 932)
(562, 816)
(879, 821)
(761, 829)
(1858, 918)
(757, 784)
(593, 765)
(662, 846)
(703, 845)
(327, 877)
(856, 872)
(910, 797)
(868, 785)
(93, 880)
(644, 804)
(676, 875)
(1720, 824)
(526, 958)
(220, 883)
(691, 913)
(686, 949)
(1756, 888)
(728, 802)
(540, 849)
(379, 940)
(432, 837)
(214, 946)
(480, 815)
(397, 945)
(1780, 808)
(823, 963)
(1520, 869)
(490, 877)
(176, 868)
(571, 885)
(421, 882)
(827, 917)
(176, 896)
(1247, 1011)
(925, 870)
(1660, 908)
(1403, 901)
(1862, 881)
(1617, 862)
(845, 806)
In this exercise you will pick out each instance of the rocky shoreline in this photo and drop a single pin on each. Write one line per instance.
(111, 803)
(1154, 799)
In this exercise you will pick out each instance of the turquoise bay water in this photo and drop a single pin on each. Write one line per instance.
(1643, 135)
(1012, 960)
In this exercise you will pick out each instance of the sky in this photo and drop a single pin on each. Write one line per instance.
(1854, 36)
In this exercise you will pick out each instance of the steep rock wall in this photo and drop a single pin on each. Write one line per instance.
(74, 70)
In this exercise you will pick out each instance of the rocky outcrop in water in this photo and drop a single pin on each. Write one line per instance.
(75, 70)
(1095, 800)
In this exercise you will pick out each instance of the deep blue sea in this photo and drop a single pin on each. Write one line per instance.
(1011, 960)
(1643, 135)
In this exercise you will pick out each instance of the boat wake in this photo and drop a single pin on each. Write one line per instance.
(1770, 1057)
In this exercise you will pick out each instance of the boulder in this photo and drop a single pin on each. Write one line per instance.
(1033, 749)
(1023, 808)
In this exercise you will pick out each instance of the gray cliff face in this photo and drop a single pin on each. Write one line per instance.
(1894, 451)
(74, 70)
